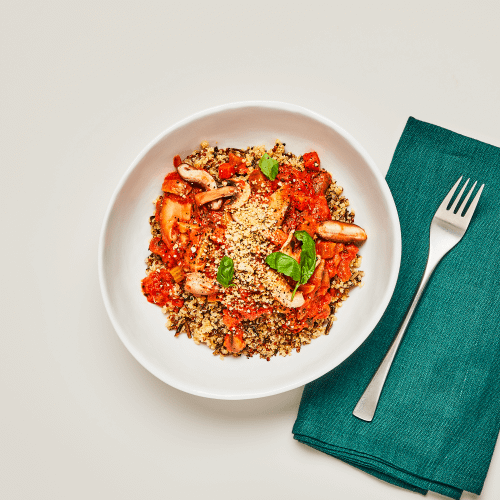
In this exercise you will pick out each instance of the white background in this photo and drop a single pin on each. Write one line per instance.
(85, 86)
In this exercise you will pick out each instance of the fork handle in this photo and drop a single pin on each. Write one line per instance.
(367, 404)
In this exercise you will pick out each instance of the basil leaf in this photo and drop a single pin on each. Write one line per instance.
(284, 264)
(269, 166)
(225, 272)
(295, 290)
(299, 271)
(307, 255)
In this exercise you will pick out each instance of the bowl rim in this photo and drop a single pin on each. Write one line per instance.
(282, 106)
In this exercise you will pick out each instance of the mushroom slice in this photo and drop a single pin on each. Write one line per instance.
(341, 232)
(285, 297)
(201, 177)
(242, 195)
(201, 258)
(214, 194)
(283, 293)
(287, 249)
(278, 204)
(171, 212)
(196, 176)
(198, 284)
(321, 182)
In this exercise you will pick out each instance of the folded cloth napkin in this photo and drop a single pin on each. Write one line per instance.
(438, 418)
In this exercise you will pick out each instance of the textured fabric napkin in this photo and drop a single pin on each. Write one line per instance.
(438, 418)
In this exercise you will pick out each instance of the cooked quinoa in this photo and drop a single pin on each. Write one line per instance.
(248, 318)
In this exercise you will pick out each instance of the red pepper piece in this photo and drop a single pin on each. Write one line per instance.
(311, 161)
(226, 171)
(177, 161)
(234, 342)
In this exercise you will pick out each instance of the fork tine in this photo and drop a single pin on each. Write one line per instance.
(472, 207)
(449, 196)
(466, 199)
(457, 199)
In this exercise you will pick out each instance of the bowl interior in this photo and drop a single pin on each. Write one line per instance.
(178, 361)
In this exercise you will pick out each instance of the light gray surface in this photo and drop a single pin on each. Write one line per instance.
(85, 87)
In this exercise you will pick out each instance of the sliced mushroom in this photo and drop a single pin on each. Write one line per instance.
(196, 176)
(283, 293)
(321, 182)
(278, 204)
(215, 194)
(201, 177)
(285, 298)
(241, 197)
(341, 232)
(198, 284)
(288, 248)
(201, 258)
(171, 212)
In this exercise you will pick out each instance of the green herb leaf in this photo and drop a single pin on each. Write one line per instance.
(269, 166)
(307, 256)
(299, 271)
(225, 272)
(284, 264)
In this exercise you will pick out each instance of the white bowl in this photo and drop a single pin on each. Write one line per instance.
(125, 236)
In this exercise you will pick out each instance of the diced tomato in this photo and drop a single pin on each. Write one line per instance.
(324, 312)
(239, 163)
(351, 250)
(253, 313)
(158, 289)
(226, 171)
(174, 184)
(343, 270)
(157, 246)
(325, 249)
(311, 161)
(236, 160)
(177, 161)
(333, 262)
(301, 201)
(319, 209)
(229, 320)
(331, 267)
(309, 225)
(346, 257)
(278, 237)
(234, 342)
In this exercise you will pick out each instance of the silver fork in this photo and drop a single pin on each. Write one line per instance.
(447, 229)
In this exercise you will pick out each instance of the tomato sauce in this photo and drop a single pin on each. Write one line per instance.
(307, 208)
(158, 287)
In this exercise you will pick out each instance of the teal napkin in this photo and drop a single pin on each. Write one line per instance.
(439, 414)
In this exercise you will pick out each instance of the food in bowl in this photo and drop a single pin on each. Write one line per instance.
(252, 251)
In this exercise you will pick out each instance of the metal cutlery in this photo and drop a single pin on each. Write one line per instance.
(447, 228)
